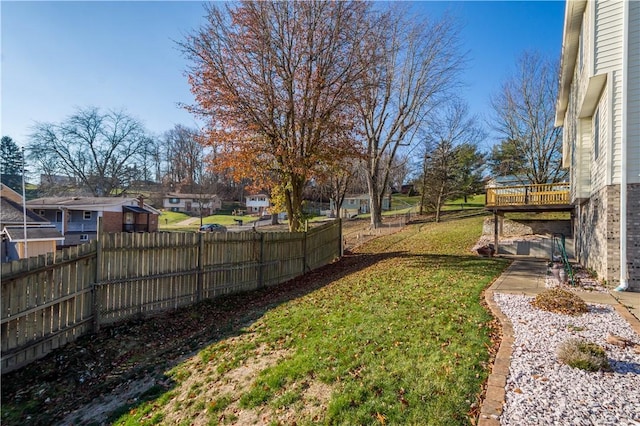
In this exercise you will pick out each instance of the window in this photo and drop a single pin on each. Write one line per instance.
(174, 201)
(41, 213)
(596, 134)
(84, 237)
(86, 215)
(58, 216)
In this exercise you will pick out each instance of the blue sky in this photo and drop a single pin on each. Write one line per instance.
(122, 55)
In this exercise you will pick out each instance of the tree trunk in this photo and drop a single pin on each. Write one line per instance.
(294, 204)
(375, 200)
(424, 191)
(376, 212)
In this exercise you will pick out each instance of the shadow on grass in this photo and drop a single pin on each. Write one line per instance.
(130, 354)
(135, 356)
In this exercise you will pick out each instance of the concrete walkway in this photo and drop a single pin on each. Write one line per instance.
(527, 276)
(190, 221)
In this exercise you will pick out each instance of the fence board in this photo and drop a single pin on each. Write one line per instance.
(49, 301)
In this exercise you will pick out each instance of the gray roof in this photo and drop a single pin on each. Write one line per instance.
(196, 196)
(85, 203)
(12, 213)
(77, 201)
(16, 233)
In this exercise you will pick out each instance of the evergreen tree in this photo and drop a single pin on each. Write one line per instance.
(11, 164)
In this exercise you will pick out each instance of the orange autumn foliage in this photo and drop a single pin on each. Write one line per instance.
(277, 83)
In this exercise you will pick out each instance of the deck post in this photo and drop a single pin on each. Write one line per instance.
(495, 232)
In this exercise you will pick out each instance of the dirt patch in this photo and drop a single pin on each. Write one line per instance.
(227, 387)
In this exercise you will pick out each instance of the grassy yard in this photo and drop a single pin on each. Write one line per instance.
(171, 218)
(400, 339)
(473, 201)
(170, 221)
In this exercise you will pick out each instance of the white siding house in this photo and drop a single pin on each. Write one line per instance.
(352, 205)
(257, 203)
(599, 108)
(192, 203)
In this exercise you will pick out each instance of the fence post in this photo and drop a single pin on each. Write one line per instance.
(304, 249)
(200, 266)
(340, 242)
(95, 289)
(260, 262)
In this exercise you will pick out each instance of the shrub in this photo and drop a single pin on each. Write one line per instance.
(560, 301)
(584, 355)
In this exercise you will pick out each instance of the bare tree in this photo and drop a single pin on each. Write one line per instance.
(416, 63)
(524, 112)
(184, 158)
(276, 82)
(339, 180)
(451, 157)
(399, 171)
(99, 149)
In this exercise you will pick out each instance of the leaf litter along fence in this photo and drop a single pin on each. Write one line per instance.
(48, 301)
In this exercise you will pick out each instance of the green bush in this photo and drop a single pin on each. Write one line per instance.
(584, 355)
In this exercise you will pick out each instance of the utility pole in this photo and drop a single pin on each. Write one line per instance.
(24, 211)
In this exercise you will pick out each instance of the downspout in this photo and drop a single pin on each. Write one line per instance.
(624, 274)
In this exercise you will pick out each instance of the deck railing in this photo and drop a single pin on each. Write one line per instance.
(529, 195)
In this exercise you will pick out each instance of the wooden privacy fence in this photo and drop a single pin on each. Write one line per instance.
(49, 301)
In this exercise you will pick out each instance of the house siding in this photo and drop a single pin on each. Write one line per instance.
(633, 99)
(598, 165)
(582, 161)
(616, 130)
(597, 193)
(608, 35)
(574, 131)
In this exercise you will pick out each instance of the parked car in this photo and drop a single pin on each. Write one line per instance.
(212, 227)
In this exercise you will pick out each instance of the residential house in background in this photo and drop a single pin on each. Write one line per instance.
(598, 107)
(353, 205)
(206, 204)
(257, 203)
(77, 217)
(41, 236)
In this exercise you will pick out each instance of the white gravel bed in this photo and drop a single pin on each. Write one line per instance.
(542, 391)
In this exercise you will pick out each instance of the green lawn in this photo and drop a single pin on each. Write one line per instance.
(170, 218)
(473, 201)
(170, 221)
(401, 339)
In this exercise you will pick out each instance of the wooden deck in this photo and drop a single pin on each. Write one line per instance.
(545, 197)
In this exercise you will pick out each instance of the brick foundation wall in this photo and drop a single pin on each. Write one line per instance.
(590, 233)
(633, 235)
(612, 273)
(597, 234)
